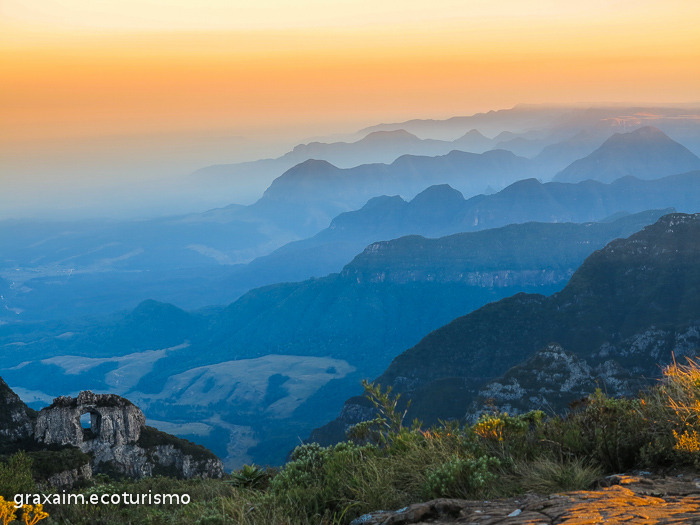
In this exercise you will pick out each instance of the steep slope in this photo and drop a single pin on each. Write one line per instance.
(16, 418)
(93, 268)
(647, 153)
(621, 315)
(441, 210)
(282, 359)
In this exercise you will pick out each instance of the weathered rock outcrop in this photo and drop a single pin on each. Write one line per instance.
(118, 439)
(16, 418)
(69, 478)
(628, 499)
(114, 421)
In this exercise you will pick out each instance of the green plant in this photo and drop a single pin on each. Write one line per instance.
(546, 475)
(389, 421)
(673, 410)
(461, 477)
(250, 476)
(608, 431)
(16, 476)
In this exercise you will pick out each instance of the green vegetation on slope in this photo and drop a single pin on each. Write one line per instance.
(390, 465)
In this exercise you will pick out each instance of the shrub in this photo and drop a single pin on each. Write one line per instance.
(250, 476)
(510, 437)
(546, 475)
(673, 409)
(608, 431)
(461, 477)
(16, 476)
(320, 481)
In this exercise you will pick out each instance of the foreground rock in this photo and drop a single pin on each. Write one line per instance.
(628, 499)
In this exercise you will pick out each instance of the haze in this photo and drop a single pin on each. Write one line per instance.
(107, 107)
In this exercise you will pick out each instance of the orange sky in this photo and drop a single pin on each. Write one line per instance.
(74, 71)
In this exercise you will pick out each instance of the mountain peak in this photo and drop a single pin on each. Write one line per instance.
(648, 131)
(645, 133)
(646, 153)
(312, 164)
(382, 201)
(472, 134)
(439, 194)
(391, 135)
(306, 172)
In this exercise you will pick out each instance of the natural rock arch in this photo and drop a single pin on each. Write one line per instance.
(94, 420)
(114, 420)
(113, 440)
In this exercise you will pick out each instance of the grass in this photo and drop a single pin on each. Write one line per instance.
(390, 465)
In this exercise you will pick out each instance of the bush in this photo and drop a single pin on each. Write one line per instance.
(16, 476)
(321, 482)
(461, 477)
(546, 475)
(673, 411)
(45, 463)
(609, 432)
(250, 476)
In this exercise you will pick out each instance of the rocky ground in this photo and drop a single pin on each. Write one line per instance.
(640, 499)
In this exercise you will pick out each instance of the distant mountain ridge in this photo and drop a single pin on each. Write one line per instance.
(646, 153)
(373, 148)
(333, 190)
(559, 121)
(441, 210)
(622, 314)
(319, 336)
(93, 267)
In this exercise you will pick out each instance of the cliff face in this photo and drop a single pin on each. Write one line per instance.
(114, 421)
(16, 418)
(627, 311)
(114, 438)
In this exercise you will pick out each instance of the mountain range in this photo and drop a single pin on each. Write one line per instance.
(558, 123)
(251, 378)
(281, 359)
(62, 270)
(442, 210)
(375, 147)
(527, 131)
(628, 310)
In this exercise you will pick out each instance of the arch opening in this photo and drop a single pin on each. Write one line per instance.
(90, 423)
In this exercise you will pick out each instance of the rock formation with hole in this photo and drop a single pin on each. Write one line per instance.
(118, 439)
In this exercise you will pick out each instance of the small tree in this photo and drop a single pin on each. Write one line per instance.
(389, 421)
(16, 476)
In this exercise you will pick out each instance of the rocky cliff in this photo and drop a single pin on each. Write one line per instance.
(16, 418)
(625, 313)
(114, 436)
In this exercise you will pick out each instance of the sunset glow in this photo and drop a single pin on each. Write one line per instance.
(73, 71)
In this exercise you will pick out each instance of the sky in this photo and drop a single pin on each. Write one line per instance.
(113, 91)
